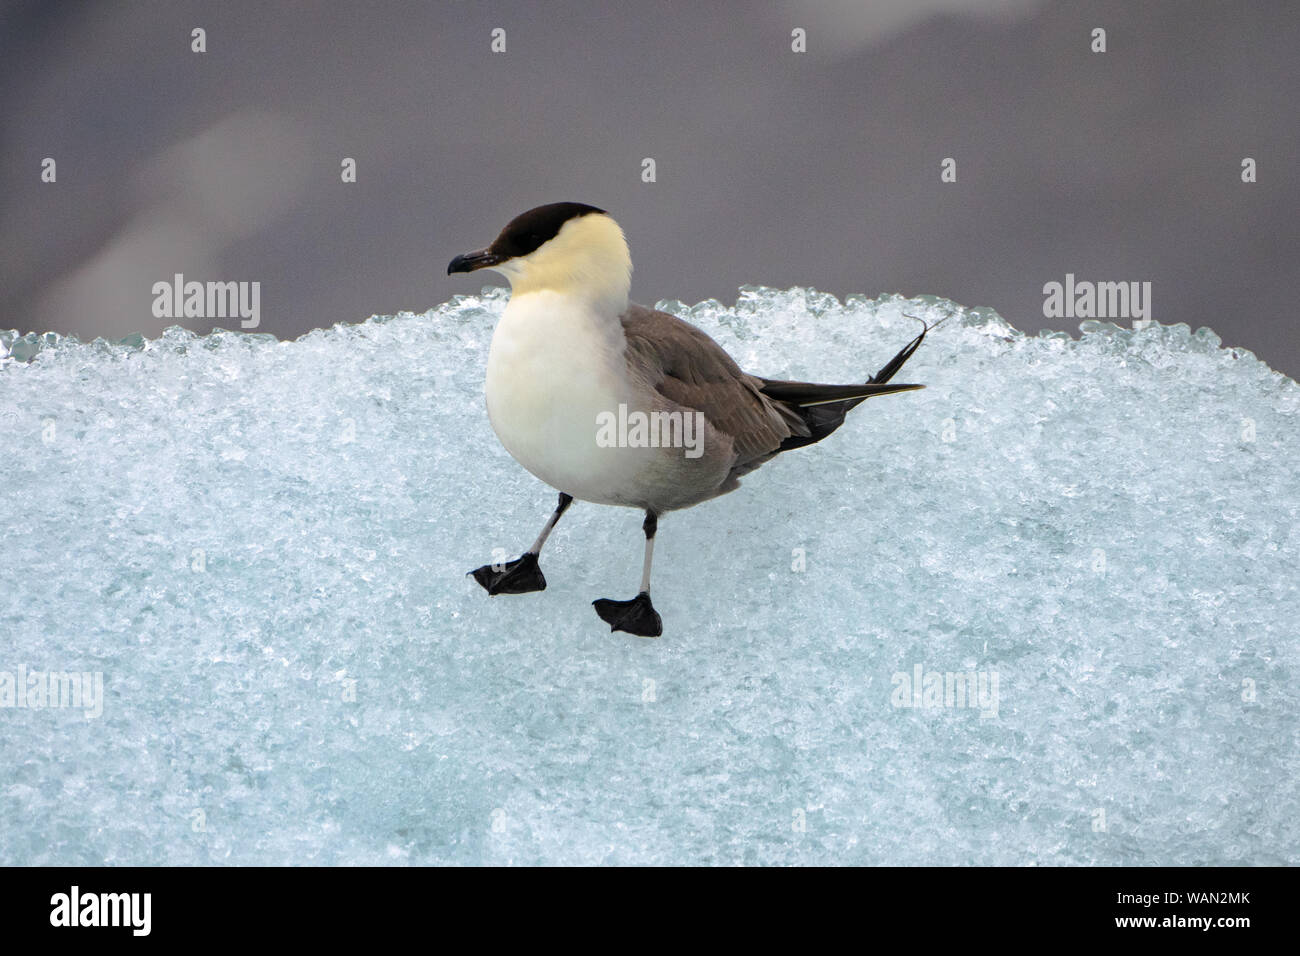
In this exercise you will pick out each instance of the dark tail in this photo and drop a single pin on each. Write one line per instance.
(823, 407)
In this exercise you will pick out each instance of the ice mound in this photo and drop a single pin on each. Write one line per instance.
(261, 546)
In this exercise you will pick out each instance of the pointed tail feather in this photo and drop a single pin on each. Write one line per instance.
(823, 407)
(897, 362)
(808, 394)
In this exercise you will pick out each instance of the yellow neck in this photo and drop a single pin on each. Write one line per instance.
(588, 259)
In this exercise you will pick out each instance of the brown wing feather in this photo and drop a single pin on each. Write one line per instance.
(687, 367)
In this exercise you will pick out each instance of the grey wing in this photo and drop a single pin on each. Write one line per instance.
(689, 369)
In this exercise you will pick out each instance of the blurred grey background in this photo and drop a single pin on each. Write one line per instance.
(773, 167)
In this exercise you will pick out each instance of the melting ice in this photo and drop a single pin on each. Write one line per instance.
(261, 546)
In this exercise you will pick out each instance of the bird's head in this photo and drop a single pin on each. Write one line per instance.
(565, 247)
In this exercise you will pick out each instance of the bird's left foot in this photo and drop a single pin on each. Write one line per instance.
(637, 616)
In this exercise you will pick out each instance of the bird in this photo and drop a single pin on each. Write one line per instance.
(614, 403)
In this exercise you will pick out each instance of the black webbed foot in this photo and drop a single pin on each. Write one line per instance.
(637, 616)
(519, 576)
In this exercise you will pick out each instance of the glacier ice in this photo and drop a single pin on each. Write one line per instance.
(261, 546)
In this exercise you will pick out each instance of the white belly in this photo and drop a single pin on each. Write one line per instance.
(552, 370)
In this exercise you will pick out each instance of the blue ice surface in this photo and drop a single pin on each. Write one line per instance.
(262, 547)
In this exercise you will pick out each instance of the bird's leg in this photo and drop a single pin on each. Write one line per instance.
(637, 616)
(522, 574)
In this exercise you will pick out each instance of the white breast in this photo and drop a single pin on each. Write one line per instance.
(554, 366)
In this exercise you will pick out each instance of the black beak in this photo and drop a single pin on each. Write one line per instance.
(473, 260)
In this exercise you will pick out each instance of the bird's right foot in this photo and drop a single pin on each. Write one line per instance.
(519, 576)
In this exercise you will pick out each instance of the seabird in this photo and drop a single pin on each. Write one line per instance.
(570, 356)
